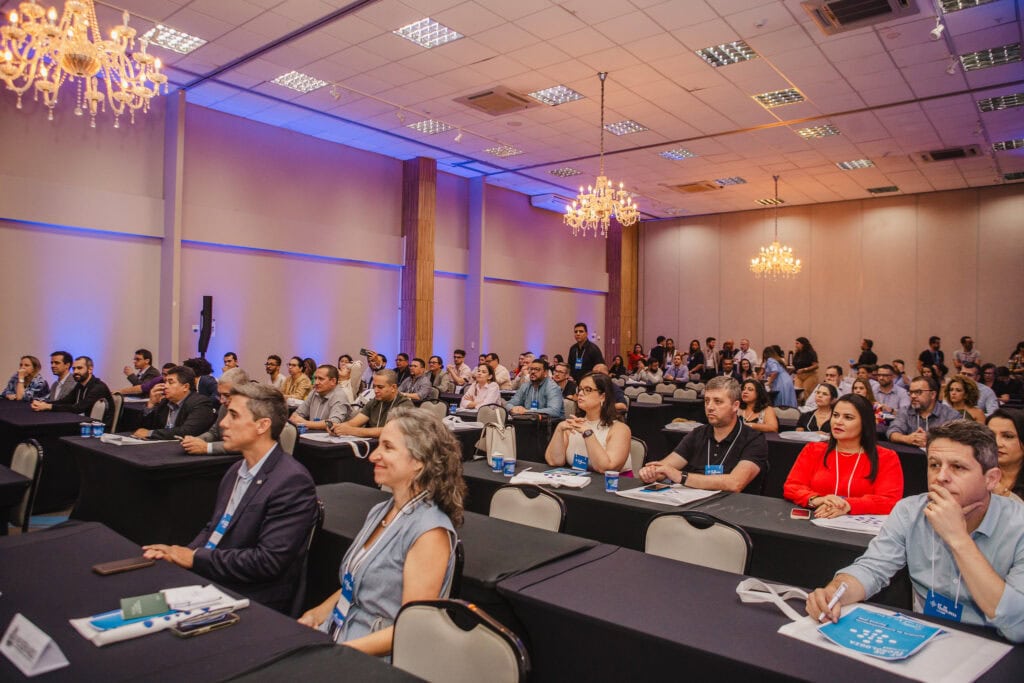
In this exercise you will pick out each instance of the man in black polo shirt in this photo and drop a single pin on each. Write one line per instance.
(583, 355)
(722, 455)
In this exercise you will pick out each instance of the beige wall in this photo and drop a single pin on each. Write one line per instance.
(895, 269)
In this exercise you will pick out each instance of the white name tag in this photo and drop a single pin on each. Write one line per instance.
(29, 649)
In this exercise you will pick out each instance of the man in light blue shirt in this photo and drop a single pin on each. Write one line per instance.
(963, 546)
(539, 395)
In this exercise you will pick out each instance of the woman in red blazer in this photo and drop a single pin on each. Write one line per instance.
(850, 474)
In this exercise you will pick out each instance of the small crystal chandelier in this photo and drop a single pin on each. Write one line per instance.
(594, 209)
(776, 260)
(38, 50)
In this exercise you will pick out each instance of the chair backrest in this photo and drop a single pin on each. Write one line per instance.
(99, 409)
(569, 407)
(698, 538)
(27, 460)
(529, 505)
(619, 381)
(787, 414)
(475, 647)
(288, 437)
(439, 409)
(633, 392)
(684, 393)
(696, 386)
(637, 455)
(433, 394)
(299, 599)
(118, 405)
(664, 388)
(492, 412)
(649, 398)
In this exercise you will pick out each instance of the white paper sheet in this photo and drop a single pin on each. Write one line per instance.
(675, 496)
(861, 524)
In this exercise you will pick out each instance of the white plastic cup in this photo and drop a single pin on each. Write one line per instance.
(611, 481)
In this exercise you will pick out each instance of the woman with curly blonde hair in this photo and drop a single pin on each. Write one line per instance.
(406, 548)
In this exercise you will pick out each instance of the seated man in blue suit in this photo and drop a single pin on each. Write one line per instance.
(265, 507)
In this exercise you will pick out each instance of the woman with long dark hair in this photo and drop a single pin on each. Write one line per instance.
(636, 354)
(756, 407)
(850, 474)
(819, 419)
(805, 365)
(695, 359)
(1008, 426)
(597, 440)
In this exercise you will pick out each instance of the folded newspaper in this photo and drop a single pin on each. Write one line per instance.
(111, 627)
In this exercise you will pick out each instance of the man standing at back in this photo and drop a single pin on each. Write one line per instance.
(265, 508)
(584, 354)
(933, 355)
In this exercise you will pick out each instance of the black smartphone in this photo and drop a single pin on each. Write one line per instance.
(657, 486)
(197, 626)
(118, 566)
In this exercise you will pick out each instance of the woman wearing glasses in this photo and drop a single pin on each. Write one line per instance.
(598, 441)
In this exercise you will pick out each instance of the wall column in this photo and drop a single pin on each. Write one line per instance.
(620, 314)
(475, 275)
(168, 348)
(419, 201)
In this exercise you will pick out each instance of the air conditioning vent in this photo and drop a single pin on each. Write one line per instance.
(550, 202)
(837, 16)
(692, 188)
(949, 154)
(498, 101)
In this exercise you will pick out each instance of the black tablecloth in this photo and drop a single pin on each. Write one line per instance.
(330, 463)
(532, 435)
(590, 512)
(494, 549)
(646, 421)
(326, 663)
(47, 577)
(622, 615)
(12, 488)
(131, 416)
(151, 493)
(58, 486)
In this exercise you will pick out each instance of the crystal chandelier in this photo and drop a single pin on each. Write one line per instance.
(38, 51)
(594, 209)
(776, 260)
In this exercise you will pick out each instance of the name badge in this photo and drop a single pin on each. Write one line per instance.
(218, 532)
(580, 462)
(534, 405)
(937, 605)
(714, 469)
(579, 363)
(344, 602)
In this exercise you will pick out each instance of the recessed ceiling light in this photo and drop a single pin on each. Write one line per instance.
(625, 127)
(1016, 175)
(1005, 145)
(677, 154)
(883, 190)
(818, 131)
(728, 53)
(503, 151)
(564, 172)
(993, 56)
(176, 41)
(735, 180)
(855, 164)
(427, 33)
(556, 95)
(770, 201)
(300, 82)
(778, 98)
(1001, 102)
(957, 5)
(430, 126)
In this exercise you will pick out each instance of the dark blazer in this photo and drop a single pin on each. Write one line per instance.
(82, 398)
(195, 416)
(260, 554)
(149, 374)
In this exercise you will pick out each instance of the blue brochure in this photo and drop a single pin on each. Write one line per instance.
(885, 636)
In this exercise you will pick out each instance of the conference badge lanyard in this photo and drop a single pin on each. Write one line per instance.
(849, 484)
(710, 469)
(938, 605)
(225, 520)
(348, 587)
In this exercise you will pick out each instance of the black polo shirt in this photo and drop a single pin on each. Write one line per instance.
(743, 443)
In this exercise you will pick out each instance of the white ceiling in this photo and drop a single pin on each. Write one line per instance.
(885, 87)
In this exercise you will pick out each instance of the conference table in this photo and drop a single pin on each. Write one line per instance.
(151, 493)
(58, 487)
(494, 549)
(326, 663)
(46, 576)
(12, 490)
(331, 461)
(618, 614)
(646, 421)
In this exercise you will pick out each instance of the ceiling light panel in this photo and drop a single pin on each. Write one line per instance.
(625, 127)
(556, 95)
(957, 5)
(503, 151)
(993, 56)
(734, 180)
(779, 98)
(1001, 102)
(1006, 145)
(173, 40)
(430, 126)
(298, 81)
(564, 172)
(677, 154)
(854, 164)
(728, 53)
(818, 131)
(428, 33)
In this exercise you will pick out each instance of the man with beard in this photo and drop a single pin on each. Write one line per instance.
(88, 389)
